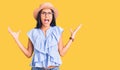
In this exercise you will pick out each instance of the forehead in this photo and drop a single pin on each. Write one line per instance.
(46, 10)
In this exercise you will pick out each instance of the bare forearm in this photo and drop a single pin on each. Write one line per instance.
(65, 48)
(15, 35)
(23, 49)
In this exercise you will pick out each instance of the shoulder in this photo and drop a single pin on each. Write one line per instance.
(57, 31)
(33, 31)
(57, 28)
(33, 34)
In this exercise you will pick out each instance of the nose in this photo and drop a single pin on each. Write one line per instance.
(46, 15)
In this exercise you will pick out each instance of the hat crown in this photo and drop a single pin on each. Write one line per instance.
(43, 6)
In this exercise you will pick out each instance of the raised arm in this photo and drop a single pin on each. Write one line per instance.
(27, 51)
(63, 49)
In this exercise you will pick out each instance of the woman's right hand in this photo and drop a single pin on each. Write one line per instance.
(15, 35)
(28, 52)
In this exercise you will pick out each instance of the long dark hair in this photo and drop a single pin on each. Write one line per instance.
(39, 23)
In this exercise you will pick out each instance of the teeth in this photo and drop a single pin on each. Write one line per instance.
(46, 20)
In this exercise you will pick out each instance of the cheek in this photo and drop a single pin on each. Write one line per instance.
(51, 18)
(42, 19)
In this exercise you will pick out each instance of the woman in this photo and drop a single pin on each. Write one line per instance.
(45, 40)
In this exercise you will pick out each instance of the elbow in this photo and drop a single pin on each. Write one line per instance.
(29, 55)
(62, 54)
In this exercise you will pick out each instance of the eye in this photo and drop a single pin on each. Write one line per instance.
(43, 13)
(49, 13)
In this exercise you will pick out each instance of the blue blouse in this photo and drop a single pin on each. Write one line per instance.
(45, 47)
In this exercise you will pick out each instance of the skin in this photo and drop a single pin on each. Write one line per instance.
(46, 14)
(45, 25)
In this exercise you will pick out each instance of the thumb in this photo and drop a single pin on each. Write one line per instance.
(71, 30)
(78, 28)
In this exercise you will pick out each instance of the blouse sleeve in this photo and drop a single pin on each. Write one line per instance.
(30, 35)
(59, 31)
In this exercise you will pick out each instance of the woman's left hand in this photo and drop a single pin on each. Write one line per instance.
(73, 33)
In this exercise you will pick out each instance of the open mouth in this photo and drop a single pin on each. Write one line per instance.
(46, 20)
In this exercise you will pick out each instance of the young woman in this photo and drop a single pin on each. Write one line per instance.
(45, 40)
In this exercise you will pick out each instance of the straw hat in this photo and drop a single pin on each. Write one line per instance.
(44, 6)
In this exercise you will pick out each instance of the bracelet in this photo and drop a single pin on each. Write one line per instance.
(71, 38)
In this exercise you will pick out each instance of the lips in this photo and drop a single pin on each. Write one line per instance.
(46, 20)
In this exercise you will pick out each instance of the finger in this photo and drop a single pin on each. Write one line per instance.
(9, 30)
(71, 30)
(78, 28)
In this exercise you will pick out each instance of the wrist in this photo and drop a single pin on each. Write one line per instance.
(71, 38)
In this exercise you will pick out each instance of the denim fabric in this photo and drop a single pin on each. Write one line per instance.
(37, 68)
